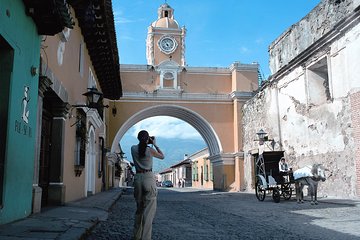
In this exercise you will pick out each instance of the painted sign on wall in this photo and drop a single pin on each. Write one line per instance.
(22, 127)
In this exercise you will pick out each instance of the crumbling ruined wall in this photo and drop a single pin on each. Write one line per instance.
(311, 28)
(311, 107)
(307, 135)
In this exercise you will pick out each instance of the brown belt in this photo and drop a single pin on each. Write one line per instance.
(143, 171)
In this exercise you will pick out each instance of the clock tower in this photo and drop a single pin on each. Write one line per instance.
(165, 40)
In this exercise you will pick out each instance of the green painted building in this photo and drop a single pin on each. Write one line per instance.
(19, 64)
(21, 28)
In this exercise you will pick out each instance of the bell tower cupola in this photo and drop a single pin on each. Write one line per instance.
(165, 11)
(165, 40)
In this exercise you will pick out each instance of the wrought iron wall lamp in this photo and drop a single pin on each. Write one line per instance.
(263, 137)
(94, 98)
(93, 101)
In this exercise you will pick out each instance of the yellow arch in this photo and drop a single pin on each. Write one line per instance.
(194, 119)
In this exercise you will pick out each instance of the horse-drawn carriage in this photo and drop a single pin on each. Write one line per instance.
(268, 178)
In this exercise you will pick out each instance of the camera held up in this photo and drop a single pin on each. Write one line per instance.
(151, 140)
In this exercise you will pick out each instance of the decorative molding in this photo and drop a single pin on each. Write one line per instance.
(189, 70)
(168, 65)
(236, 95)
(222, 159)
(94, 118)
(150, 49)
(61, 110)
(239, 155)
(44, 84)
(201, 70)
(237, 66)
(56, 183)
(135, 68)
(176, 95)
(183, 47)
(166, 30)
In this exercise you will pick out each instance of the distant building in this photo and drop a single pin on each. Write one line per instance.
(166, 174)
(182, 173)
(202, 170)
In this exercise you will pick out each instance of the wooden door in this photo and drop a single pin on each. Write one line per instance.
(45, 150)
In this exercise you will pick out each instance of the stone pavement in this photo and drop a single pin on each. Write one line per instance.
(71, 221)
(76, 219)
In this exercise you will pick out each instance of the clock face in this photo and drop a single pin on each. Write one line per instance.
(167, 44)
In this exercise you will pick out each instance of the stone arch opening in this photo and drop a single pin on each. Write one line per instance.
(194, 119)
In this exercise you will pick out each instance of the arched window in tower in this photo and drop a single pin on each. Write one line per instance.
(166, 14)
(168, 81)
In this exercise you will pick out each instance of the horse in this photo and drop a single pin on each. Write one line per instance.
(309, 176)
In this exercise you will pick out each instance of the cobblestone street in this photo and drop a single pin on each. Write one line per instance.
(189, 214)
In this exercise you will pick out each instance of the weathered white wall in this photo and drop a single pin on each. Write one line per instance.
(308, 30)
(311, 131)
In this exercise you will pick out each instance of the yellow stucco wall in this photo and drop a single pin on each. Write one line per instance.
(68, 75)
(219, 115)
(224, 176)
(219, 94)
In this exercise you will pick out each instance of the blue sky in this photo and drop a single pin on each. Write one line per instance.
(218, 34)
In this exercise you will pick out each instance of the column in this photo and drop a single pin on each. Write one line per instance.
(44, 84)
(56, 185)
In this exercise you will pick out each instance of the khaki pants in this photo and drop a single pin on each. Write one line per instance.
(145, 193)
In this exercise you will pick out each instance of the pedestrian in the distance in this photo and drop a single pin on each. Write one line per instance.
(145, 191)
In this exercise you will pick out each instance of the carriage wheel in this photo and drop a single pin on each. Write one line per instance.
(259, 190)
(286, 191)
(276, 195)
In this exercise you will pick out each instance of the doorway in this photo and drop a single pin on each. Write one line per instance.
(90, 166)
(6, 68)
(45, 153)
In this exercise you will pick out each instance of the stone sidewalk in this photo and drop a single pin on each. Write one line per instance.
(71, 221)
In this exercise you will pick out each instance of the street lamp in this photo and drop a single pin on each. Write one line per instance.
(93, 97)
(263, 137)
(93, 101)
(122, 154)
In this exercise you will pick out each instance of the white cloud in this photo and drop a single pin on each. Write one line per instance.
(259, 41)
(122, 20)
(166, 127)
(244, 49)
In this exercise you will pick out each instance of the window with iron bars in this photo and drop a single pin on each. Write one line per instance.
(81, 138)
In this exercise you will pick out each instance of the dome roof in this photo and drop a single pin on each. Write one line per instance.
(165, 5)
(165, 23)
